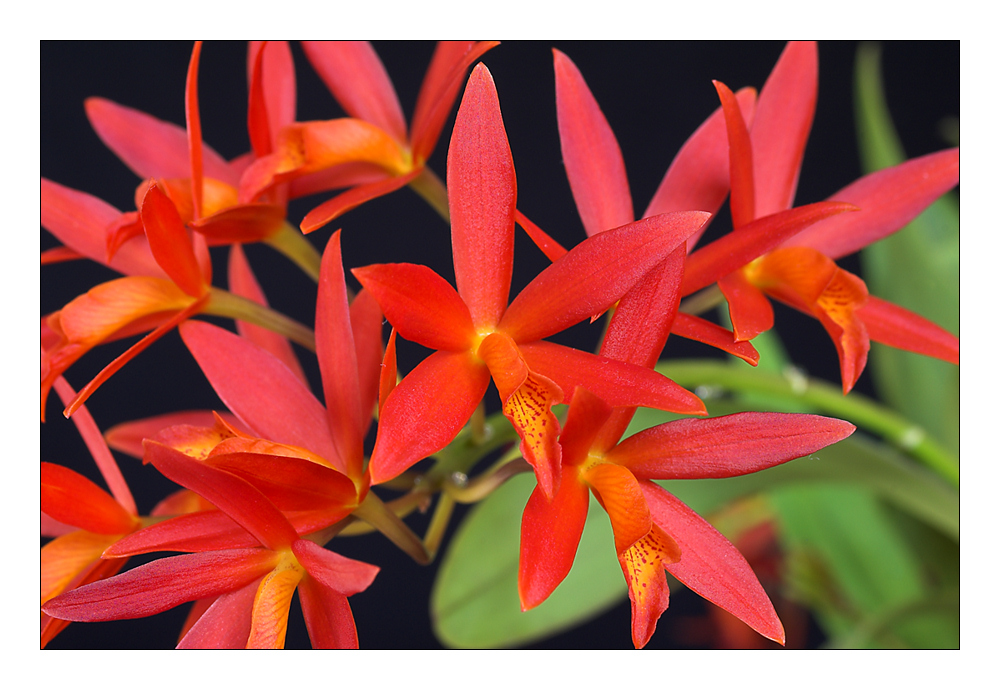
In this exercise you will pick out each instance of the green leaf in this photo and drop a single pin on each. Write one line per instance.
(917, 268)
(475, 604)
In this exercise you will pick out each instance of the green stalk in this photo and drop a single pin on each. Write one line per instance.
(432, 189)
(373, 511)
(223, 303)
(300, 251)
(825, 398)
(439, 522)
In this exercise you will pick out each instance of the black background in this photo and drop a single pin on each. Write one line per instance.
(654, 95)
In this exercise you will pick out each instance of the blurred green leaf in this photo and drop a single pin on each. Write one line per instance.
(917, 268)
(475, 604)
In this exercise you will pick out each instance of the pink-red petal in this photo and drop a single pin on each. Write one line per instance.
(593, 159)
(420, 305)
(482, 195)
(711, 566)
(238, 370)
(161, 585)
(887, 199)
(725, 446)
(550, 535)
(426, 411)
(895, 326)
(595, 274)
(781, 126)
(619, 384)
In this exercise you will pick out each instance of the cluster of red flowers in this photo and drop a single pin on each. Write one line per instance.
(271, 481)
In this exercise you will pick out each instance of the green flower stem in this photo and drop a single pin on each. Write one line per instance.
(823, 397)
(373, 511)
(300, 251)
(703, 301)
(439, 523)
(432, 189)
(223, 303)
(489, 481)
(401, 507)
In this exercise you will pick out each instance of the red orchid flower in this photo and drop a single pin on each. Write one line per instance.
(478, 336)
(370, 151)
(764, 167)
(653, 529)
(698, 178)
(178, 284)
(252, 587)
(349, 350)
(202, 185)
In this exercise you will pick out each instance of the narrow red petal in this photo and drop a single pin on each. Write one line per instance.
(193, 117)
(895, 326)
(291, 483)
(161, 585)
(225, 624)
(277, 79)
(698, 177)
(238, 370)
(366, 325)
(233, 495)
(594, 163)
(80, 221)
(426, 411)
(205, 530)
(725, 446)
(328, 616)
(338, 360)
(74, 500)
(888, 199)
(387, 377)
(169, 241)
(695, 328)
(333, 208)
(358, 80)
(781, 127)
(619, 384)
(711, 566)
(420, 305)
(58, 255)
(741, 184)
(127, 356)
(482, 196)
(243, 283)
(151, 148)
(98, 448)
(645, 314)
(341, 574)
(595, 274)
(258, 125)
(252, 222)
(444, 78)
(584, 420)
(550, 535)
(730, 252)
(552, 249)
(749, 309)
